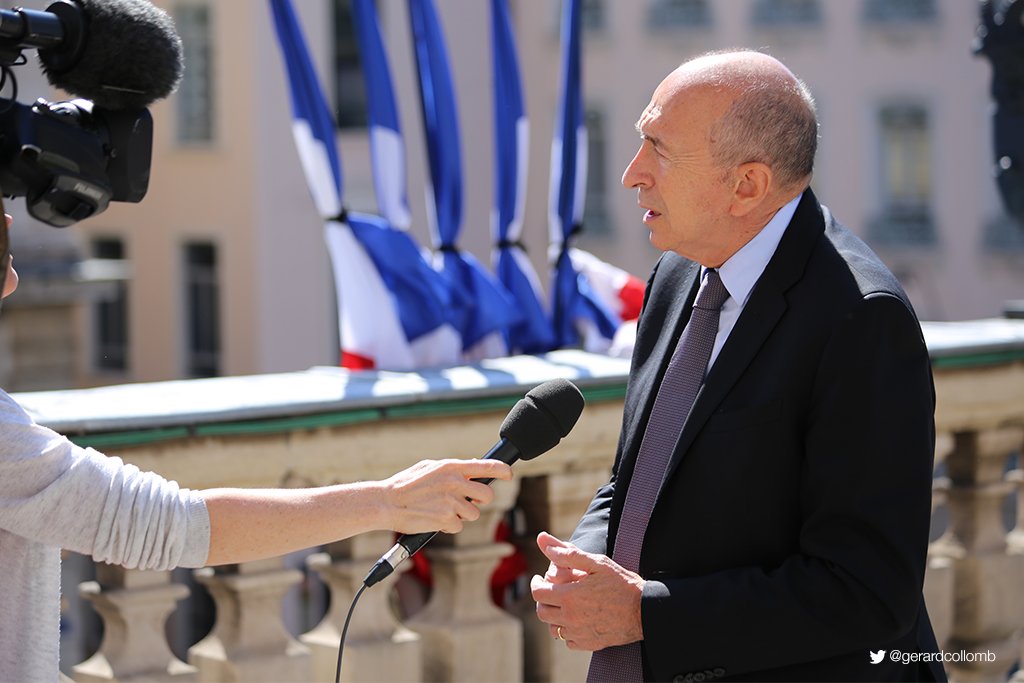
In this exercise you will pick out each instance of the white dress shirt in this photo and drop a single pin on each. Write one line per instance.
(743, 269)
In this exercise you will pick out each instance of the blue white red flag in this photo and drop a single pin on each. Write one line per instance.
(481, 308)
(442, 344)
(388, 296)
(387, 151)
(533, 333)
(575, 306)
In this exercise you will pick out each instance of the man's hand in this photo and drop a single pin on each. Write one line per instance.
(587, 600)
(439, 495)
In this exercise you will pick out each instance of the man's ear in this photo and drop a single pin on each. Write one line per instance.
(753, 180)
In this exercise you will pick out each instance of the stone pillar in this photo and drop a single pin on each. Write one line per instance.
(552, 503)
(938, 579)
(939, 589)
(377, 646)
(466, 637)
(249, 641)
(1015, 539)
(987, 578)
(134, 606)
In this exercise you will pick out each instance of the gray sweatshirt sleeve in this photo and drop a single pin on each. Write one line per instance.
(57, 493)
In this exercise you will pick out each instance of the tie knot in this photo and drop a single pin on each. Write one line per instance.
(713, 294)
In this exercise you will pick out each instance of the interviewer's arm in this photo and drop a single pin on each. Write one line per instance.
(251, 524)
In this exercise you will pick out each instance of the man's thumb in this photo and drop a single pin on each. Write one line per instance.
(569, 556)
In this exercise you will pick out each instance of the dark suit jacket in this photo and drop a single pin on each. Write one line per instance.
(790, 534)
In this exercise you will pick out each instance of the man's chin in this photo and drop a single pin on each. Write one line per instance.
(655, 242)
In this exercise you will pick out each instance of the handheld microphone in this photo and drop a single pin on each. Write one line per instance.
(535, 425)
(121, 54)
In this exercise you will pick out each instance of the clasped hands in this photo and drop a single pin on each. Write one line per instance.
(587, 600)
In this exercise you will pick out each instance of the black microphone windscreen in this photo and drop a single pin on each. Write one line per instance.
(538, 421)
(131, 56)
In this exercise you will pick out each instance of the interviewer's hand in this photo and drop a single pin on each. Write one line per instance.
(438, 495)
(251, 524)
(594, 601)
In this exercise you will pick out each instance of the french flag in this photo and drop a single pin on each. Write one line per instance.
(388, 296)
(533, 333)
(440, 344)
(577, 309)
(481, 308)
(387, 150)
(619, 290)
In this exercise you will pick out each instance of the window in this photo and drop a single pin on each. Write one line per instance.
(202, 310)
(194, 100)
(592, 15)
(676, 13)
(905, 176)
(110, 313)
(349, 87)
(787, 12)
(899, 11)
(1003, 233)
(595, 211)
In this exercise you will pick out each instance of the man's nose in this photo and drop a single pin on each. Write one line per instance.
(634, 176)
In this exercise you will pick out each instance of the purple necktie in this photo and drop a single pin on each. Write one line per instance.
(678, 391)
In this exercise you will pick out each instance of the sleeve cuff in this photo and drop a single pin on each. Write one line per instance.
(197, 539)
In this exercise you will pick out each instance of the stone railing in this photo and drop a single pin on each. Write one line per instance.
(975, 585)
(326, 426)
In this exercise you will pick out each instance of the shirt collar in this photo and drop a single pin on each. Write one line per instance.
(740, 273)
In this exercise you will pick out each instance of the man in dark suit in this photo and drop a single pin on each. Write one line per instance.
(787, 532)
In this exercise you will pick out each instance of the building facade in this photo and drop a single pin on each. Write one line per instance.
(225, 267)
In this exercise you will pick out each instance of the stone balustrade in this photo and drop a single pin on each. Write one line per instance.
(327, 425)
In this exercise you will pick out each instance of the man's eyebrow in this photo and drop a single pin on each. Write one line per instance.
(646, 136)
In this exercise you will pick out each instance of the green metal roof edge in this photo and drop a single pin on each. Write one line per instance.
(978, 359)
(142, 437)
(133, 438)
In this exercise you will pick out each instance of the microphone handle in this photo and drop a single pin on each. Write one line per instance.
(409, 544)
(413, 542)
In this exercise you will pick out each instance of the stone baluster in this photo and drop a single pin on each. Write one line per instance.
(466, 637)
(1015, 539)
(134, 606)
(552, 503)
(249, 641)
(989, 603)
(377, 646)
(938, 579)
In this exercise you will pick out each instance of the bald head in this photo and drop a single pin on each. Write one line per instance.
(734, 69)
(761, 112)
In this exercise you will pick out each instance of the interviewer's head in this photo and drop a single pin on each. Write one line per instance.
(727, 139)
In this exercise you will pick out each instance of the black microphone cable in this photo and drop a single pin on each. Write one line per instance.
(344, 631)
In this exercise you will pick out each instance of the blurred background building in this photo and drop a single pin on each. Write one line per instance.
(222, 268)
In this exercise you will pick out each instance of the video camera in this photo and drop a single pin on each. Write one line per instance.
(70, 159)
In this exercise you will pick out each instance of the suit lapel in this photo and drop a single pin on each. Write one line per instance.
(766, 305)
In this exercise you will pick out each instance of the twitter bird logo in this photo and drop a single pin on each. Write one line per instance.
(877, 657)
